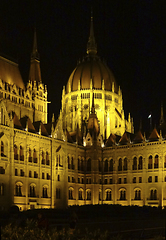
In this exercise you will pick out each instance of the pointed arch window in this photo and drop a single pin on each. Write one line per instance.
(34, 156)
(153, 194)
(111, 165)
(106, 165)
(68, 159)
(32, 191)
(47, 159)
(120, 165)
(156, 161)
(80, 194)
(18, 190)
(72, 163)
(137, 194)
(43, 158)
(15, 152)
(150, 160)
(140, 163)
(78, 162)
(88, 165)
(45, 192)
(30, 155)
(21, 153)
(71, 192)
(88, 195)
(108, 195)
(134, 163)
(125, 164)
(122, 194)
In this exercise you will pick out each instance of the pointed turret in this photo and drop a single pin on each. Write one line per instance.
(35, 72)
(91, 45)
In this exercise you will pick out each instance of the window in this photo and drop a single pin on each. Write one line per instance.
(111, 181)
(21, 154)
(119, 181)
(134, 163)
(35, 174)
(15, 152)
(82, 180)
(100, 166)
(150, 179)
(79, 166)
(134, 179)
(68, 159)
(72, 163)
(21, 173)
(48, 176)
(2, 149)
(16, 172)
(165, 162)
(2, 170)
(125, 180)
(153, 194)
(73, 180)
(111, 165)
(140, 163)
(58, 193)
(137, 195)
(156, 178)
(150, 162)
(78, 180)
(18, 190)
(80, 194)
(45, 192)
(125, 164)
(105, 181)
(42, 175)
(122, 194)
(120, 165)
(58, 178)
(106, 165)
(82, 165)
(99, 195)
(43, 159)
(30, 174)
(32, 191)
(88, 195)
(30, 155)
(34, 156)
(108, 195)
(140, 179)
(68, 178)
(70, 193)
(89, 165)
(47, 159)
(156, 161)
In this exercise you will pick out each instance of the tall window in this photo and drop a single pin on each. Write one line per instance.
(68, 159)
(153, 194)
(15, 152)
(2, 149)
(70, 193)
(88, 195)
(100, 166)
(134, 163)
(43, 159)
(21, 154)
(150, 162)
(30, 155)
(32, 191)
(120, 165)
(111, 165)
(156, 161)
(78, 162)
(106, 165)
(82, 165)
(34, 156)
(72, 163)
(80, 194)
(45, 192)
(137, 195)
(122, 194)
(125, 164)
(89, 165)
(47, 159)
(108, 195)
(18, 190)
(140, 163)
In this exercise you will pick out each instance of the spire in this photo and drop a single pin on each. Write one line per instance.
(35, 72)
(93, 105)
(91, 45)
(162, 115)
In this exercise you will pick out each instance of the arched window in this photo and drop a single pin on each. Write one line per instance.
(78, 163)
(106, 165)
(47, 159)
(18, 189)
(21, 154)
(137, 194)
(108, 195)
(120, 165)
(100, 195)
(156, 161)
(34, 156)
(100, 166)
(122, 194)
(45, 192)
(2, 149)
(88, 194)
(68, 159)
(150, 162)
(111, 165)
(72, 163)
(140, 163)
(134, 163)
(15, 152)
(82, 165)
(43, 159)
(32, 191)
(89, 165)
(165, 162)
(153, 194)
(70, 193)
(80, 194)
(30, 155)
(125, 164)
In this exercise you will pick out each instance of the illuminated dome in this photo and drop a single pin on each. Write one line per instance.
(91, 69)
(91, 72)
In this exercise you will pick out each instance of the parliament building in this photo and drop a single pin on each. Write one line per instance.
(89, 155)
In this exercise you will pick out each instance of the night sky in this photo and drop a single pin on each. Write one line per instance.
(130, 36)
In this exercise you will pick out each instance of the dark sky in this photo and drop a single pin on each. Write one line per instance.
(130, 35)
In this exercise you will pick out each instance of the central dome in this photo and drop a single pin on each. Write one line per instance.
(91, 72)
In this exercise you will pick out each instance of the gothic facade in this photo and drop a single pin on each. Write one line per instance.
(90, 155)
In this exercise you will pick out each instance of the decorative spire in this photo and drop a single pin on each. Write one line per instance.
(35, 54)
(162, 115)
(91, 46)
(35, 72)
